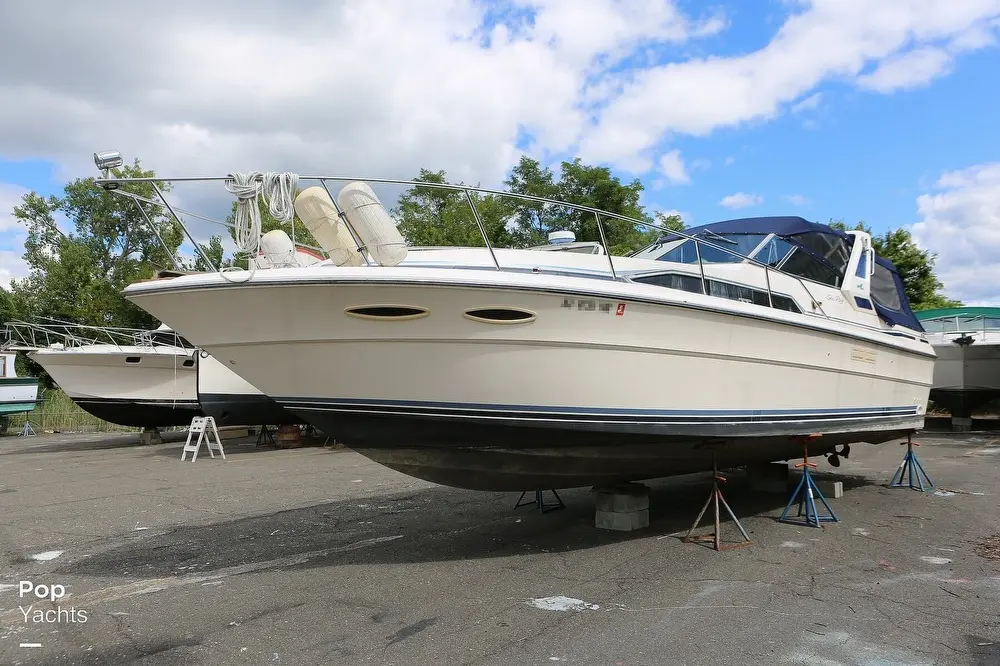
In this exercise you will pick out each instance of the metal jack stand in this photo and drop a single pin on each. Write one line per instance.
(807, 491)
(912, 469)
(716, 498)
(27, 431)
(265, 437)
(542, 506)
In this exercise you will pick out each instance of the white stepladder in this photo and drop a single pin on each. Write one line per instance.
(205, 427)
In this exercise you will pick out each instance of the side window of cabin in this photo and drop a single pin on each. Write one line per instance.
(862, 271)
(884, 288)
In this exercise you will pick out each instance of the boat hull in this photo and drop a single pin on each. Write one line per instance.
(160, 389)
(18, 395)
(594, 388)
(966, 377)
(232, 401)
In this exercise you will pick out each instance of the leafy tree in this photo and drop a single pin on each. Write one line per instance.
(915, 266)
(436, 216)
(214, 251)
(79, 276)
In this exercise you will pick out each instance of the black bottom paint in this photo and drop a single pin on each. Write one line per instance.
(476, 455)
(144, 414)
(245, 410)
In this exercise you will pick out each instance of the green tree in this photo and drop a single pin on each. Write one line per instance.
(79, 276)
(436, 216)
(915, 266)
(215, 253)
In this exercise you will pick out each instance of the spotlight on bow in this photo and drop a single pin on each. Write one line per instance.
(108, 159)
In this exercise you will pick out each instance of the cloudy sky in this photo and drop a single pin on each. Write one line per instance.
(850, 109)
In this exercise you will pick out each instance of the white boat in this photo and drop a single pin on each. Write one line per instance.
(130, 377)
(18, 395)
(142, 378)
(520, 369)
(967, 370)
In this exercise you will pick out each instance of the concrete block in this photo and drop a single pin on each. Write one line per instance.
(961, 424)
(625, 498)
(622, 521)
(831, 489)
(149, 437)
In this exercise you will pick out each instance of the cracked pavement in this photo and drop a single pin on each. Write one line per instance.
(319, 556)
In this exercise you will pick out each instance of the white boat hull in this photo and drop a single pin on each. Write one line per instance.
(232, 400)
(606, 384)
(966, 377)
(159, 389)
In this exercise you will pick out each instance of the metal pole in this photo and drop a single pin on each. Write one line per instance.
(343, 217)
(701, 268)
(604, 242)
(482, 229)
(184, 228)
(767, 280)
(152, 226)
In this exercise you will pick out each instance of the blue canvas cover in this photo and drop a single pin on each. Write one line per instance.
(791, 225)
(903, 316)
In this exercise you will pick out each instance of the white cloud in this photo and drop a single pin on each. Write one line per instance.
(741, 200)
(730, 160)
(826, 40)
(909, 70)
(11, 266)
(797, 200)
(808, 103)
(672, 168)
(384, 88)
(960, 221)
(10, 196)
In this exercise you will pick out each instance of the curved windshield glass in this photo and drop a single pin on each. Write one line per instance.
(731, 248)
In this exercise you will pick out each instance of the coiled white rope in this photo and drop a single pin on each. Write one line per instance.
(278, 190)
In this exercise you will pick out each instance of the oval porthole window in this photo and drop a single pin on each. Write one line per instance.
(188, 363)
(500, 315)
(133, 359)
(387, 312)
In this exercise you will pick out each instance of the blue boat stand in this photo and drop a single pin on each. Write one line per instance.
(807, 492)
(912, 469)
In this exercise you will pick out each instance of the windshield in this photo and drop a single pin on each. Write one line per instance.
(683, 251)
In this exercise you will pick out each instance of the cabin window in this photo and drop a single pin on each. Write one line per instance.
(805, 265)
(133, 359)
(862, 271)
(728, 290)
(884, 289)
(773, 251)
(673, 281)
(834, 249)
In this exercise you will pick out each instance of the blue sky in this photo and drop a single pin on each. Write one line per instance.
(822, 108)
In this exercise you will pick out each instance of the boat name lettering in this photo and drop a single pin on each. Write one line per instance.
(593, 305)
(863, 355)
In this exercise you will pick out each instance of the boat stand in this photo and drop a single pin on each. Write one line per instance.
(540, 502)
(264, 437)
(806, 492)
(27, 430)
(716, 498)
(912, 469)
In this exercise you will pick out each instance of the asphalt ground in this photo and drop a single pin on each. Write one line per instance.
(319, 556)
